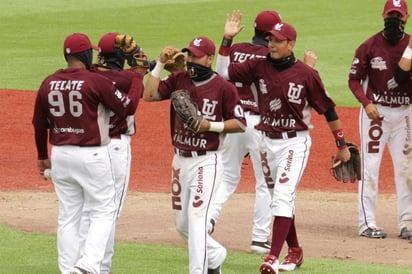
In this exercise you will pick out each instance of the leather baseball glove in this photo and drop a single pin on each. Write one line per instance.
(186, 110)
(349, 171)
(178, 62)
(134, 54)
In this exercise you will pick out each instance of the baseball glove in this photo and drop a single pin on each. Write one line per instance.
(186, 109)
(177, 63)
(134, 54)
(349, 171)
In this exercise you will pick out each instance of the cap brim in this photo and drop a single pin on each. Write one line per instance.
(95, 47)
(195, 51)
(276, 34)
(397, 10)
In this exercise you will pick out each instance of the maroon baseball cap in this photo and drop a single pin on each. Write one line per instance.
(283, 31)
(396, 5)
(107, 41)
(201, 46)
(76, 43)
(266, 19)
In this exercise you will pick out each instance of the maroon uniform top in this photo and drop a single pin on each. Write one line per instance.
(374, 63)
(124, 80)
(285, 97)
(217, 100)
(75, 104)
(239, 53)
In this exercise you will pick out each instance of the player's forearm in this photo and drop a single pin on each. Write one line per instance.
(152, 84)
(222, 66)
(151, 89)
(404, 66)
(40, 136)
(337, 132)
(228, 126)
(357, 90)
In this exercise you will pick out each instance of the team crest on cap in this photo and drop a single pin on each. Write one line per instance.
(397, 3)
(197, 41)
(278, 26)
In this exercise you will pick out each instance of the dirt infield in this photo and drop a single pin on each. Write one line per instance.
(326, 214)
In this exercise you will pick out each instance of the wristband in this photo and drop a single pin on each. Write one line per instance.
(224, 48)
(340, 138)
(157, 70)
(341, 144)
(217, 126)
(226, 43)
(407, 54)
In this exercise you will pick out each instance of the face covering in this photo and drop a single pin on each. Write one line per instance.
(112, 60)
(394, 28)
(198, 72)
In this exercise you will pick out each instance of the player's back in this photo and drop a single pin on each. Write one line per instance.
(123, 80)
(239, 53)
(76, 107)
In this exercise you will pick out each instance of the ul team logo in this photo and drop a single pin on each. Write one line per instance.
(208, 108)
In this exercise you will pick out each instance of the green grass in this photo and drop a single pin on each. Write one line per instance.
(31, 48)
(33, 31)
(37, 254)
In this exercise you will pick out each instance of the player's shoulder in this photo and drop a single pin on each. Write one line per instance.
(374, 40)
(250, 48)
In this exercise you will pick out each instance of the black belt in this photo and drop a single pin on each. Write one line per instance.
(280, 135)
(189, 153)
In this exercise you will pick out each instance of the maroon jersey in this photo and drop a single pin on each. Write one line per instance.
(124, 80)
(374, 63)
(217, 100)
(285, 97)
(240, 53)
(75, 104)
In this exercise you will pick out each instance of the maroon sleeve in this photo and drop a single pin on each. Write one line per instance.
(358, 73)
(318, 97)
(40, 136)
(40, 123)
(136, 90)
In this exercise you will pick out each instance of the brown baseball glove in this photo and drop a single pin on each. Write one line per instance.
(186, 110)
(178, 62)
(134, 54)
(349, 171)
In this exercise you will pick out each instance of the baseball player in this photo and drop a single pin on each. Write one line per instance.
(384, 118)
(236, 146)
(197, 164)
(110, 64)
(74, 104)
(287, 91)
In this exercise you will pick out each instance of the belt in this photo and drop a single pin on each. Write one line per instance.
(189, 153)
(118, 136)
(389, 105)
(280, 135)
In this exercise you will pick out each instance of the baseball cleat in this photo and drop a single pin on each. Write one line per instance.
(260, 247)
(406, 233)
(211, 227)
(214, 271)
(374, 233)
(292, 260)
(270, 265)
